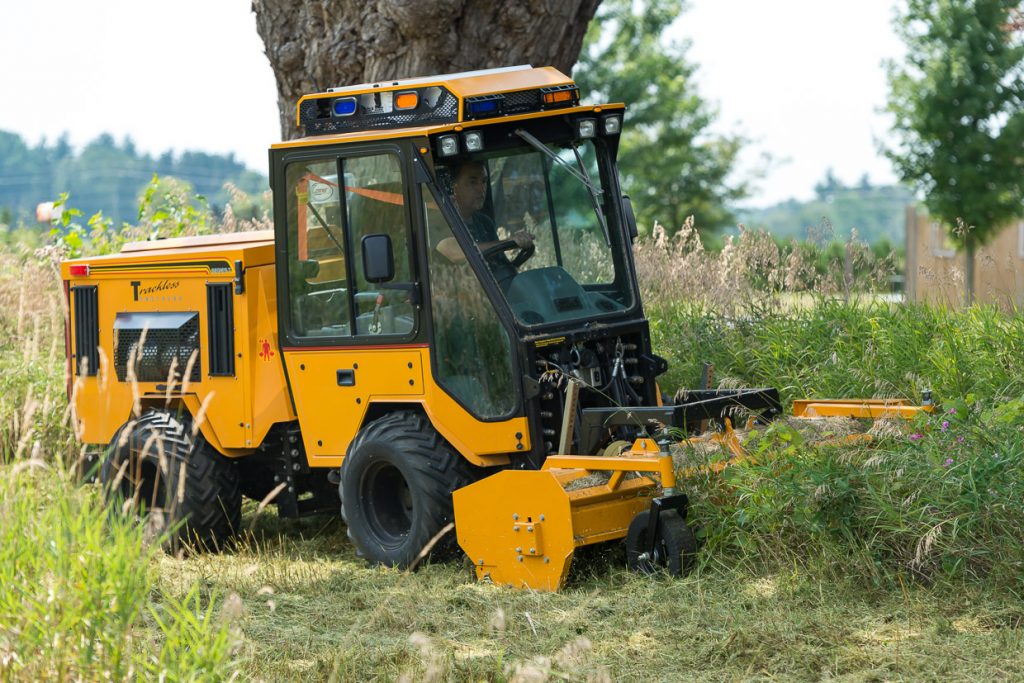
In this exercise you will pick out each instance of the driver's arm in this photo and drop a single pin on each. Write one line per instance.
(450, 249)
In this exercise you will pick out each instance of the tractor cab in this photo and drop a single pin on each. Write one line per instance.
(479, 216)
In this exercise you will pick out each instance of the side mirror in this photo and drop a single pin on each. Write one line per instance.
(309, 269)
(378, 258)
(629, 217)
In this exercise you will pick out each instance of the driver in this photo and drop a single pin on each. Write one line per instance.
(469, 190)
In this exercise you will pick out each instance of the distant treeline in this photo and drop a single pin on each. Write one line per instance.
(877, 212)
(106, 176)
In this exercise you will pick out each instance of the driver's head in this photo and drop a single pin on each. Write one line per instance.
(469, 187)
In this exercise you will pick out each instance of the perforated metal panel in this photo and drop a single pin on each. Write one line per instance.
(522, 101)
(170, 340)
(315, 116)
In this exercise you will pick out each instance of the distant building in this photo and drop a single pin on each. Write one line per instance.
(935, 267)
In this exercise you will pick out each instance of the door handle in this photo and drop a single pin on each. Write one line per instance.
(346, 378)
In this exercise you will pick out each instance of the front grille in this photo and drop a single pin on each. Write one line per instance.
(170, 341)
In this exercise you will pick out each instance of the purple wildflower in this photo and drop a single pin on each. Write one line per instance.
(952, 411)
(960, 439)
(945, 425)
(949, 461)
(916, 437)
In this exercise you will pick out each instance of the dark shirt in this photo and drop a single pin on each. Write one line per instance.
(481, 227)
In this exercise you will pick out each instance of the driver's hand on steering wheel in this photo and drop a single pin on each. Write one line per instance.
(523, 239)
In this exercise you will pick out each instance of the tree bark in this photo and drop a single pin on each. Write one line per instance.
(313, 45)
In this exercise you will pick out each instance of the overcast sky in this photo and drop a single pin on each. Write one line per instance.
(801, 78)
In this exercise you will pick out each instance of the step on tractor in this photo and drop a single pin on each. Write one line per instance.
(442, 338)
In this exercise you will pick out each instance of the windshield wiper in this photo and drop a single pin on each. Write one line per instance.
(581, 175)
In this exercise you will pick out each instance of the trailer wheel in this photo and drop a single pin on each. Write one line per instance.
(396, 488)
(675, 547)
(157, 469)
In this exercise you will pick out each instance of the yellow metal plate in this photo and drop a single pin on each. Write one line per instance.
(520, 528)
(489, 519)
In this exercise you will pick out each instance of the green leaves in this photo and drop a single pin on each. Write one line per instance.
(958, 105)
(167, 208)
(670, 164)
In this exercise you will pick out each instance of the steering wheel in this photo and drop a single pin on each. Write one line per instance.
(506, 245)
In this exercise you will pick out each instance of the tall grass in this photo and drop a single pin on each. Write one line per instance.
(937, 499)
(80, 597)
(78, 592)
(84, 596)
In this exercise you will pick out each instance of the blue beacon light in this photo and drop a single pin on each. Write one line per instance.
(483, 107)
(345, 106)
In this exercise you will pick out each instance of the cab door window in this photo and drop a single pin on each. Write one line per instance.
(318, 283)
(375, 204)
(332, 205)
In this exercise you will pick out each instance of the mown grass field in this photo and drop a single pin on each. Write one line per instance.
(899, 561)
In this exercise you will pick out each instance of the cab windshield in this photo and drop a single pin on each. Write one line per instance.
(546, 227)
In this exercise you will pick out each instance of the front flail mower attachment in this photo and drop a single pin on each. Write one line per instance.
(520, 528)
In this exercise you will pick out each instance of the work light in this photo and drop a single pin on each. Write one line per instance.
(586, 128)
(474, 141)
(448, 145)
(612, 124)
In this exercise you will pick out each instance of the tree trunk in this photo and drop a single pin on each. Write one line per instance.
(313, 45)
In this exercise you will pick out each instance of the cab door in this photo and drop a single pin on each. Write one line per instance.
(346, 342)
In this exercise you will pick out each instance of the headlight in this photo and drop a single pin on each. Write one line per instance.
(448, 145)
(586, 128)
(612, 124)
(473, 140)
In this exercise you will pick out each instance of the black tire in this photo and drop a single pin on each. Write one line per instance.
(675, 549)
(210, 509)
(396, 489)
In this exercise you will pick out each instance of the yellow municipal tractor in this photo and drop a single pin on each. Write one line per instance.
(443, 328)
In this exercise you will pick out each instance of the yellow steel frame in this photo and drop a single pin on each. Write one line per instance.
(874, 408)
(331, 415)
